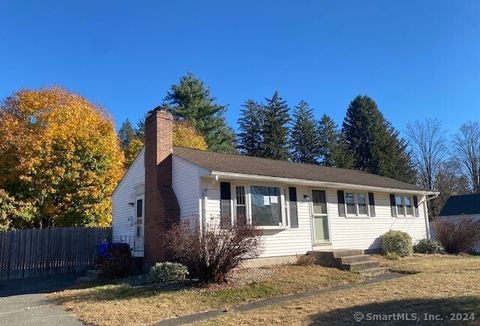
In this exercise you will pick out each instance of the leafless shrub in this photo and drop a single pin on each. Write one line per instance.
(210, 254)
(457, 235)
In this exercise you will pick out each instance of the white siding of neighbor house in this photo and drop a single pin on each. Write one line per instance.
(458, 217)
(345, 232)
(129, 187)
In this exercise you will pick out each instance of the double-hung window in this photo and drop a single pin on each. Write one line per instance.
(240, 204)
(356, 203)
(403, 206)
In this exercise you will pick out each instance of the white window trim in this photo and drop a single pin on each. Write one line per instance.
(405, 215)
(284, 207)
(355, 199)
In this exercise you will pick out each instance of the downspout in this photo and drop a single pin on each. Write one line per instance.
(425, 213)
(204, 203)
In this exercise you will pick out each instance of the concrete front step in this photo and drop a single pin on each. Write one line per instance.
(339, 253)
(361, 266)
(352, 259)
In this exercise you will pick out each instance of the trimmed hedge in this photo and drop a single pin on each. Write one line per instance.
(168, 272)
(428, 246)
(397, 242)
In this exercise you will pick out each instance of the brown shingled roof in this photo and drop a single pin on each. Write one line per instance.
(235, 163)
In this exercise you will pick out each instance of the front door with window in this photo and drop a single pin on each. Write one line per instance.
(320, 217)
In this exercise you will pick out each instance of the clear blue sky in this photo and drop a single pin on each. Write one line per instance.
(417, 59)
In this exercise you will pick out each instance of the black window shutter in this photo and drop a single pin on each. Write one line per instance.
(415, 204)
(392, 205)
(341, 203)
(292, 197)
(371, 203)
(225, 205)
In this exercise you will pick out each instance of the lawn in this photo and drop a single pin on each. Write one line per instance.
(123, 304)
(434, 285)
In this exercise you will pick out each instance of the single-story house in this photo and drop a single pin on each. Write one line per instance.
(460, 206)
(298, 207)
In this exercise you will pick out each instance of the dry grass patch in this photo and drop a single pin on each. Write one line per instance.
(432, 263)
(128, 305)
(442, 285)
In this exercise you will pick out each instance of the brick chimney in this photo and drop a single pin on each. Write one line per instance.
(161, 205)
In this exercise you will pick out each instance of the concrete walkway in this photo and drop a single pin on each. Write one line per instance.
(25, 302)
(201, 316)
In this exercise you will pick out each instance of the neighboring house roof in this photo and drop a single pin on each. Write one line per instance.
(241, 164)
(461, 205)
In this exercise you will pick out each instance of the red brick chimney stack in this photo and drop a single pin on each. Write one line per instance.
(161, 205)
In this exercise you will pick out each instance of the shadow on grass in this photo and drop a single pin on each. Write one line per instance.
(455, 310)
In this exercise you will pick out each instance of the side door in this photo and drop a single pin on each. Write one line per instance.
(139, 225)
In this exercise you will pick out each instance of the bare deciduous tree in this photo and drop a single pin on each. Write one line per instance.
(467, 152)
(429, 149)
(448, 181)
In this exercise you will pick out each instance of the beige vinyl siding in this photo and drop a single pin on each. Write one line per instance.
(129, 187)
(366, 232)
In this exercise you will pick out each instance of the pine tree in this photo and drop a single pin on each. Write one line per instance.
(190, 100)
(126, 134)
(304, 135)
(249, 139)
(374, 144)
(275, 130)
(330, 146)
(332, 149)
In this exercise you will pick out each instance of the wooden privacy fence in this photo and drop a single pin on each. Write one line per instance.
(40, 252)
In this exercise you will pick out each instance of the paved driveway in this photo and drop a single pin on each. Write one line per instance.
(24, 302)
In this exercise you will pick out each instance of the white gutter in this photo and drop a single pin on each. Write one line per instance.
(425, 212)
(323, 184)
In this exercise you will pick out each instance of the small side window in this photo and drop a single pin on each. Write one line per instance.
(139, 207)
(292, 197)
(241, 205)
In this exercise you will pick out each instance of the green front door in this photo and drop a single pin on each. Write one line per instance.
(320, 217)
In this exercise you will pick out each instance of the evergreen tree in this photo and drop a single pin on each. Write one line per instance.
(304, 136)
(126, 134)
(332, 148)
(140, 128)
(374, 144)
(250, 140)
(274, 129)
(190, 100)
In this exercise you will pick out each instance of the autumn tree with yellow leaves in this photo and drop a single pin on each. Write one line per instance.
(60, 160)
